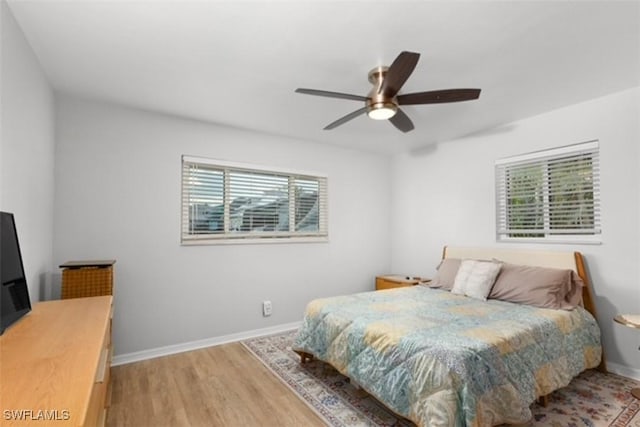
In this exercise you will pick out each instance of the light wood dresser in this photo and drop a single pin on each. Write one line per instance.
(55, 364)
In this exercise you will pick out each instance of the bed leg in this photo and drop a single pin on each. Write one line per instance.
(543, 400)
(305, 357)
(354, 383)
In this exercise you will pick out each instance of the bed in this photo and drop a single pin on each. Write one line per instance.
(442, 358)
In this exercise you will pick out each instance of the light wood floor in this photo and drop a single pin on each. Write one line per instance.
(217, 386)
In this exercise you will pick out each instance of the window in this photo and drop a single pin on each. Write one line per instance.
(224, 202)
(551, 195)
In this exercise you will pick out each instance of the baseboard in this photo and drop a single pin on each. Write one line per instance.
(123, 359)
(625, 371)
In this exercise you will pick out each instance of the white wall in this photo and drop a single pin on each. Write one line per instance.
(118, 196)
(26, 151)
(445, 195)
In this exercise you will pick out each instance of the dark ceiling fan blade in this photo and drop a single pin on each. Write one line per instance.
(438, 96)
(398, 73)
(402, 121)
(331, 94)
(345, 119)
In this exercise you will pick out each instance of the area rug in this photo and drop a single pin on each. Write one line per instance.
(593, 399)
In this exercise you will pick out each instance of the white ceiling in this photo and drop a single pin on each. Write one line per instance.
(238, 63)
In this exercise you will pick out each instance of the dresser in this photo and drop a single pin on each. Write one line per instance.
(55, 364)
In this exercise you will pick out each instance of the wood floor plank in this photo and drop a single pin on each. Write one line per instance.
(216, 386)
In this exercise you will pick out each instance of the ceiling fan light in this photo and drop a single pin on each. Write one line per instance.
(382, 111)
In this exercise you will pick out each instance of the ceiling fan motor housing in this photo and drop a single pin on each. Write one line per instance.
(380, 106)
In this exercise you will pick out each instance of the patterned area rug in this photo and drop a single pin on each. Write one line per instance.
(593, 399)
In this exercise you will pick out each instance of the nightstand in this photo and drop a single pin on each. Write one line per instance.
(396, 281)
(87, 279)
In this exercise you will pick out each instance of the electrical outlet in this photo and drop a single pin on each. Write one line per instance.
(266, 308)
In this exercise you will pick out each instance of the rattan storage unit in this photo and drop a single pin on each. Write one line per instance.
(87, 278)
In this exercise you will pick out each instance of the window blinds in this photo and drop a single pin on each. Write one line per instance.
(549, 193)
(226, 201)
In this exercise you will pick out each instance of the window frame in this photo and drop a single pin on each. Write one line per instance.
(545, 158)
(227, 237)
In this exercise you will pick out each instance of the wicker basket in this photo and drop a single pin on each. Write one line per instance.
(87, 279)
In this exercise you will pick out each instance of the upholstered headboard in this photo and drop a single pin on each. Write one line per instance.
(564, 260)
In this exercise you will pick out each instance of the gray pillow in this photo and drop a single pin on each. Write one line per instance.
(538, 286)
(446, 275)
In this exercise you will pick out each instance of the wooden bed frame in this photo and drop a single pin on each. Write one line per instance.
(550, 259)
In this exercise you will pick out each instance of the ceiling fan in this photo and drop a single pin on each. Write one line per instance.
(383, 101)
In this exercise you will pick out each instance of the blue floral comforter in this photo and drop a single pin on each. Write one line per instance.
(441, 359)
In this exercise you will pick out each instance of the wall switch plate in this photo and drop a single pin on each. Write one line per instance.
(266, 308)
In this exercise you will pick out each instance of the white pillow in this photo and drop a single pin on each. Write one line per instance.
(476, 278)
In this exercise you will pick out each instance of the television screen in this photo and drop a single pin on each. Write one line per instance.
(14, 294)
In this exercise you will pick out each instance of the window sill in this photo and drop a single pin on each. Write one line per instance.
(548, 241)
(254, 241)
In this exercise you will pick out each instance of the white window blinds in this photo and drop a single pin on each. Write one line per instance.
(224, 201)
(551, 193)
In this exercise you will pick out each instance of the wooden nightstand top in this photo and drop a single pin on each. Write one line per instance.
(409, 280)
(92, 263)
(390, 281)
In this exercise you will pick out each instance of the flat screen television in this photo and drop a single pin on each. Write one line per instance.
(14, 295)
